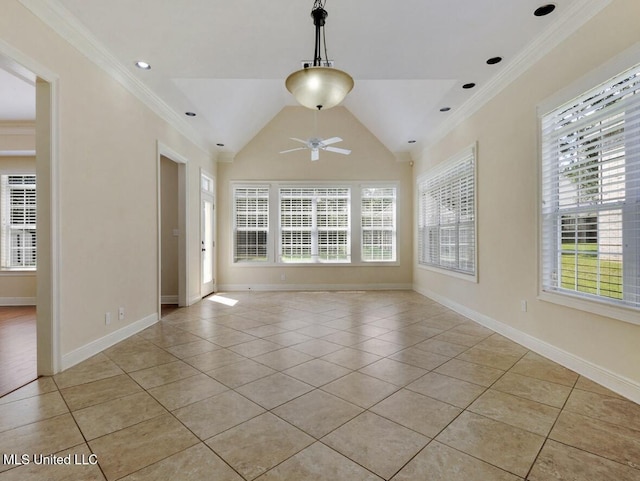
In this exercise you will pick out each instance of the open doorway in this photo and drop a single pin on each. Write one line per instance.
(172, 231)
(28, 229)
(18, 252)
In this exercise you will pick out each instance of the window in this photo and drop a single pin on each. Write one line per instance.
(251, 223)
(591, 194)
(446, 215)
(18, 205)
(378, 222)
(314, 224)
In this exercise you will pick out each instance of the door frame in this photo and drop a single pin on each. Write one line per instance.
(183, 224)
(212, 194)
(49, 358)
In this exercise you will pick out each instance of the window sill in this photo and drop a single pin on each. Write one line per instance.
(603, 308)
(17, 273)
(315, 264)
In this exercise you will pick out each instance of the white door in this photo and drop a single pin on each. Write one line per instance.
(207, 243)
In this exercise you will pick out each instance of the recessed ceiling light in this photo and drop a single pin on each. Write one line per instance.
(220, 145)
(445, 109)
(494, 60)
(143, 65)
(470, 85)
(544, 10)
(190, 114)
(412, 141)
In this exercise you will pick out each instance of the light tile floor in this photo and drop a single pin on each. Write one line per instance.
(319, 386)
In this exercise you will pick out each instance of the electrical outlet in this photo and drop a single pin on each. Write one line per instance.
(107, 318)
(283, 277)
(121, 313)
(523, 306)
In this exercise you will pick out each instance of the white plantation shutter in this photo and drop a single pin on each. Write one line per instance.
(314, 224)
(378, 219)
(18, 201)
(251, 223)
(591, 194)
(447, 215)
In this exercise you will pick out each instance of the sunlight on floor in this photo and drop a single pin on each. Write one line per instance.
(227, 301)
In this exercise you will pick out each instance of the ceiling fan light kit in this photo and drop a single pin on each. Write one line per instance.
(319, 87)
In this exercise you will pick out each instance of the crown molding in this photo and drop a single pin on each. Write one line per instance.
(576, 15)
(70, 29)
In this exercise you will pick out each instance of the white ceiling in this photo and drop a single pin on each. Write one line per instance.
(227, 60)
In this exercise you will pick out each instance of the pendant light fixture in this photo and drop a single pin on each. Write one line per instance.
(319, 86)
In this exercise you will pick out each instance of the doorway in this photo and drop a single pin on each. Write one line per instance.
(38, 321)
(173, 231)
(170, 232)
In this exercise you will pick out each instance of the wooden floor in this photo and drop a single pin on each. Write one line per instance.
(18, 365)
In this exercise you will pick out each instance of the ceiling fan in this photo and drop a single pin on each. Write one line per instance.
(315, 145)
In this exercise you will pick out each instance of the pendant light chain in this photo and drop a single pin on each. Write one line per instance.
(321, 4)
(319, 15)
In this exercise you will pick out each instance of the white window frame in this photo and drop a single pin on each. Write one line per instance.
(274, 236)
(450, 174)
(315, 227)
(8, 229)
(258, 191)
(550, 288)
(378, 223)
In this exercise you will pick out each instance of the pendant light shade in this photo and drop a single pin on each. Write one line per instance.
(319, 86)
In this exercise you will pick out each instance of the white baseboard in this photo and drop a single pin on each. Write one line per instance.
(169, 299)
(88, 350)
(615, 382)
(17, 301)
(314, 287)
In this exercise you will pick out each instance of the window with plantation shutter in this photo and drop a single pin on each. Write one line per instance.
(314, 224)
(251, 224)
(590, 183)
(447, 215)
(378, 222)
(18, 206)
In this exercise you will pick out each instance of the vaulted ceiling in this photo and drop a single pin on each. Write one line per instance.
(226, 61)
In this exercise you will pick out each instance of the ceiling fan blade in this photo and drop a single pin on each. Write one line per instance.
(338, 151)
(291, 150)
(332, 140)
(298, 140)
(315, 155)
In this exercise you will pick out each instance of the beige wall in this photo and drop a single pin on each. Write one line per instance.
(169, 223)
(107, 154)
(506, 132)
(17, 136)
(15, 287)
(260, 160)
